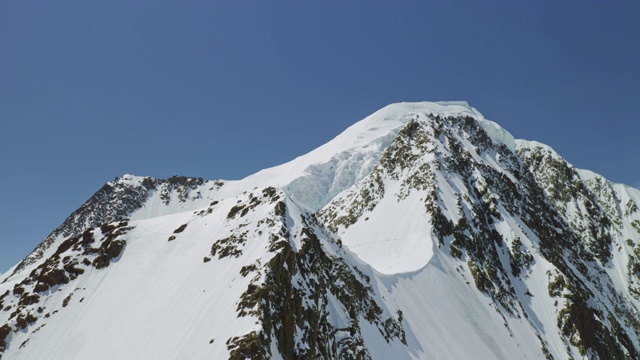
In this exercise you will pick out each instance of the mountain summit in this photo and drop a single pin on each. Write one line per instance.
(422, 231)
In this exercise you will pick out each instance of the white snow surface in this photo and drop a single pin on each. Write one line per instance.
(159, 300)
(313, 179)
(404, 247)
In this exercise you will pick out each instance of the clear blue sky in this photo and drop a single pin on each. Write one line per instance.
(90, 90)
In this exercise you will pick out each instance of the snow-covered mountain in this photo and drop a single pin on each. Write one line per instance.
(423, 231)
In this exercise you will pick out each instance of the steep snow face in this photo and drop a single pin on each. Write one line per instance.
(604, 214)
(512, 223)
(496, 132)
(405, 246)
(383, 218)
(434, 225)
(314, 179)
(215, 283)
(409, 183)
(311, 180)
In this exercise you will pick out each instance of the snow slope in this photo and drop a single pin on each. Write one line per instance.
(315, 178)
(423, 231)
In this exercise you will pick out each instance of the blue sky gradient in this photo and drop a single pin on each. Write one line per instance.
(91, 90)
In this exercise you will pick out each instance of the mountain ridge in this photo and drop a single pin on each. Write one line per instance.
(422, 222)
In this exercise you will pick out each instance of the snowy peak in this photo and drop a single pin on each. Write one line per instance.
(412, 185)
(418, 226)
(130, 197)
(445, 187)
(315, 178)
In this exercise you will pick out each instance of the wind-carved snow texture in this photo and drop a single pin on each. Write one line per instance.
(423, 231)
(315, 178)
(322, 182)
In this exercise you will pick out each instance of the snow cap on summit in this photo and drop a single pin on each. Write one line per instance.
(451, 108)
(316, 177)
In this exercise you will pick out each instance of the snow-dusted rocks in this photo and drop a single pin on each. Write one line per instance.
(422, 231)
